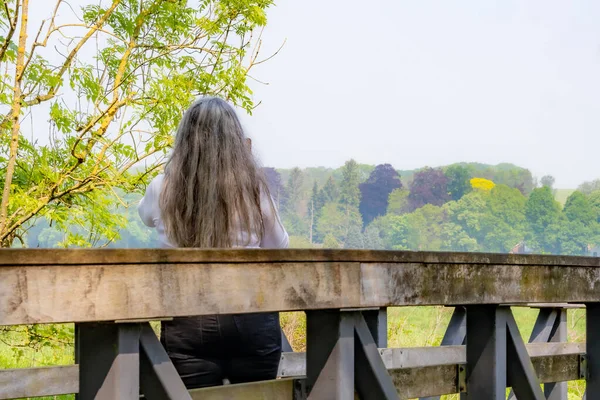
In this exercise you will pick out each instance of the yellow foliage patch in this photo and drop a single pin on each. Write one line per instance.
(482, 184)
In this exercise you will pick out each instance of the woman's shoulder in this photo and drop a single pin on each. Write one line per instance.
(154, 188)
(158, 180)
(155, 184)
(148, 207)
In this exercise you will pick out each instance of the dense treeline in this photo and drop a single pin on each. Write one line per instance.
(461, 207)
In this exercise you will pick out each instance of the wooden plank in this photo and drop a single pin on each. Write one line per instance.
(553, 305)
(417, 357)
(422, 371)
(116, 292)
(62, 293)
(268, 390)
(169, 256)
(34, 382)
(292, 365)
(425, 381)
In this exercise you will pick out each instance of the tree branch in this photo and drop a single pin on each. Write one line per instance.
(11, 30)
(15, 115)
(69, 59)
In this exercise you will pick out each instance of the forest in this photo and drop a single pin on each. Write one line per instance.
(465, 207)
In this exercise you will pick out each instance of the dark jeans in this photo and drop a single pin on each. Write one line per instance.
(207, 349)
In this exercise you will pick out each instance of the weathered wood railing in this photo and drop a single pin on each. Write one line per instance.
(111, 294)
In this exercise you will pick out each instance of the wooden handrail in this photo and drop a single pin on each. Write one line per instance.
(25, 257)
(56, 293)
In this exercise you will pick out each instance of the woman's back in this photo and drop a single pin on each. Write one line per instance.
(274, 237)
(213, 195)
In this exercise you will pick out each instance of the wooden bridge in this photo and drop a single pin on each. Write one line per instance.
(112, 294)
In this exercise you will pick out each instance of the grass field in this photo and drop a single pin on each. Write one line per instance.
(407, 327)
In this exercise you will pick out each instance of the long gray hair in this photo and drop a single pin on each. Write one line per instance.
(212, 184)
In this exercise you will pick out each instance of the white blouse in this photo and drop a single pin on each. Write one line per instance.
(274, 237)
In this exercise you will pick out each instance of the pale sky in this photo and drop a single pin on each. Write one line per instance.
(416, 83)
(426, 82)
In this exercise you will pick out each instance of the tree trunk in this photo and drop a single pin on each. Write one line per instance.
(15, 119)
(312, 219)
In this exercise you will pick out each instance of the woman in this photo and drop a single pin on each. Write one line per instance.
(213, 195)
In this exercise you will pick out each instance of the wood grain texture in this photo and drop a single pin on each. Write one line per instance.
(119, 292)
(64, 293)
(167, 256)
(269, 390)
(417, 372)
(44, 381)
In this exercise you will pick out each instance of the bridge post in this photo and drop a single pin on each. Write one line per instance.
(486, 353)
(108, 356)
(550, 326)
(377, 323)
(341, 355)
(286, 347)
(117, 359)
(455, 335)
(329, 355)
(592, 341)
(497, 357)
(159, 379)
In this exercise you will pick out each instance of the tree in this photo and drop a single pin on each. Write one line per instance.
(541, 209)
(503, 174)
(454, 238)
(276, 187)
(331, 242)
(594, 199)
(469, 213)
(494, 219)
(111, 115)
(374, 193)
(581, 227)
(548, 180)
(292, 218)
(573, 237)
(337, 220)
(429, 186)
(381, 225)
(397, 232)
(372, 238)
(578, 208)
(420, 230)
(313, 209)
(589, 187)
(294, 191)
(504, 223)
(349, 191)
(329, 193)
(300, 242)
(398, 202)
(482, 184)
(354, 239)
(543, 216)
(362, 170)
(426, 225)
(458, 181)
